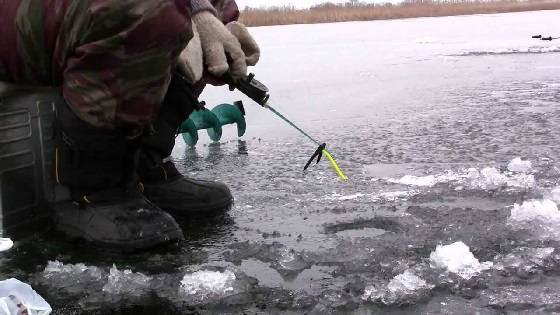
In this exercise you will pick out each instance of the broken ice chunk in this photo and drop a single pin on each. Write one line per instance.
(406, 282)
(458, 259)
(411, 180)
(205, 284)
(126, 281)
(520, 166)
(404, 288)
(539, 216)
(555, 194)
(541, 210)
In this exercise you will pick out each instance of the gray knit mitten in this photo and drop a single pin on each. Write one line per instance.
(248, 43)
(190, 61)
(219, 44)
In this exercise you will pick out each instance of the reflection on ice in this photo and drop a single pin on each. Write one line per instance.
(457, 258)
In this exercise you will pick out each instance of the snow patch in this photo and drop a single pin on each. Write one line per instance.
(458, 259)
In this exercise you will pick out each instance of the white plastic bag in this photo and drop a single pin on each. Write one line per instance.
(5, 244)
(17, 297)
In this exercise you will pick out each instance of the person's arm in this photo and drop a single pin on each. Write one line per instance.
(116, 58)
(191, 63)
(228, 13)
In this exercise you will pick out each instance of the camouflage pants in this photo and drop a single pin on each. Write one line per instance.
(112, 59)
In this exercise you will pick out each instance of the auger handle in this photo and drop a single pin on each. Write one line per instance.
(251, 87)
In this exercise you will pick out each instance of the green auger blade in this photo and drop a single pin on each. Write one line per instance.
(213, 121)
(229, 114)
(189, 132)
(201, 119)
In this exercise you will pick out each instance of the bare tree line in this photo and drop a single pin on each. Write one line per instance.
(355, 10)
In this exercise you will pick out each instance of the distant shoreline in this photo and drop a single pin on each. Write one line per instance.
(329, 13)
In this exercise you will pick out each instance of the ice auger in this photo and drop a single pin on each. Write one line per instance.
(212, 121)
(224, 114)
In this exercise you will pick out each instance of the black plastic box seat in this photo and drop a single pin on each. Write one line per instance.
(26, 155)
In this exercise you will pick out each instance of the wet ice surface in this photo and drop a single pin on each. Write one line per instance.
(451, 206)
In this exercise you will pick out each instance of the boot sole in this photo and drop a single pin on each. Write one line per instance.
(74, 234)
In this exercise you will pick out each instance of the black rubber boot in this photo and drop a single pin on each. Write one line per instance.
(106, 206)
(163, 184)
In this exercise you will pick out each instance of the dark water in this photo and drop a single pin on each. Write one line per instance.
(423, 123)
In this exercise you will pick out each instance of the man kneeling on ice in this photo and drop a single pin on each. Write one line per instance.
(123, 79)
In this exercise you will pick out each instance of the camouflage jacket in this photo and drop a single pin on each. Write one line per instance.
(112, 59)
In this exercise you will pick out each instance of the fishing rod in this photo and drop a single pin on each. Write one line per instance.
(259, 93)
(549, 38)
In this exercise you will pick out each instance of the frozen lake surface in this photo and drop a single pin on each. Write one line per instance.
(448, 129)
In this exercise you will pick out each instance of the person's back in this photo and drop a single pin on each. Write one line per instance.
(111, 59)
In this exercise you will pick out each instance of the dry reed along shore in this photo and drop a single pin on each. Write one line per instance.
(329, 12)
